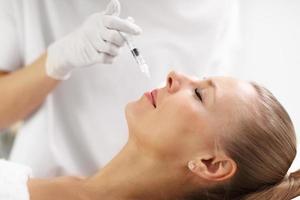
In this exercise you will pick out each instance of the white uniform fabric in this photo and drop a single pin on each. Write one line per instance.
(13, 181)
(81, 125)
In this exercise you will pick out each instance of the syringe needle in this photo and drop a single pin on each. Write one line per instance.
(137, 56)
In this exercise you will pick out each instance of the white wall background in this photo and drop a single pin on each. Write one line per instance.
(270, 54)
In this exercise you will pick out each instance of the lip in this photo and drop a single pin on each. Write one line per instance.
(152, 97)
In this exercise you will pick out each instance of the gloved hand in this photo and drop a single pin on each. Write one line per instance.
(96, 41)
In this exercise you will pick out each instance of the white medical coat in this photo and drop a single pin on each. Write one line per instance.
(13, 181)
(81, 125)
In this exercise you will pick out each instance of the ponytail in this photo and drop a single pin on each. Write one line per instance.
(294, 180)
(287, 189)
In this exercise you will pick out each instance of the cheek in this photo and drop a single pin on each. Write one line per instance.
(178, 121)
(184, 114)
(174, 128)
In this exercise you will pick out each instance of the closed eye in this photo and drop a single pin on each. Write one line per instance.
(198, 93)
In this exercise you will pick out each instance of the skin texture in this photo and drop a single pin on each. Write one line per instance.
(180, 119)
(172, 148)
(23, 91)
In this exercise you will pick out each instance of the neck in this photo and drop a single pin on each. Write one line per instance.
(131, 175)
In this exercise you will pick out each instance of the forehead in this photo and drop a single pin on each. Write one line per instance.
(233, 96)
(231, 87)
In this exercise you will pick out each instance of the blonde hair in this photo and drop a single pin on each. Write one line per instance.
(264, 149)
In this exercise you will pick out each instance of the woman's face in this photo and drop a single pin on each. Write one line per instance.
(186, 116)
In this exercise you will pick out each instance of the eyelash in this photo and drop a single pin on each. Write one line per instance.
(198, 94)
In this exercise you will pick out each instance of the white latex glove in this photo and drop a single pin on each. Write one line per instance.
(96, 41)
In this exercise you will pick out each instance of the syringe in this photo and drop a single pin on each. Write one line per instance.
(137, 56)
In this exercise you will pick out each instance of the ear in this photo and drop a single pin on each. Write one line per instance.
(213, 168)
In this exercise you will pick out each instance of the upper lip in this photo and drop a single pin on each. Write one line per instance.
(154, 96)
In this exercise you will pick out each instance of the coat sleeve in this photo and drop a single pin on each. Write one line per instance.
(13, 181)
(10, 44)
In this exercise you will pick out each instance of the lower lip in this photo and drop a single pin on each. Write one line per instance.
(149, 97)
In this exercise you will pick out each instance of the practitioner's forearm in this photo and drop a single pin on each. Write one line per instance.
(23, 91)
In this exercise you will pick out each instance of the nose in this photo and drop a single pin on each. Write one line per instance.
(173, 82)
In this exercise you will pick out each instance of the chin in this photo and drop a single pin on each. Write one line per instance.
(136, 109)
(132, 112)
(128, 110)
(135, 115)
